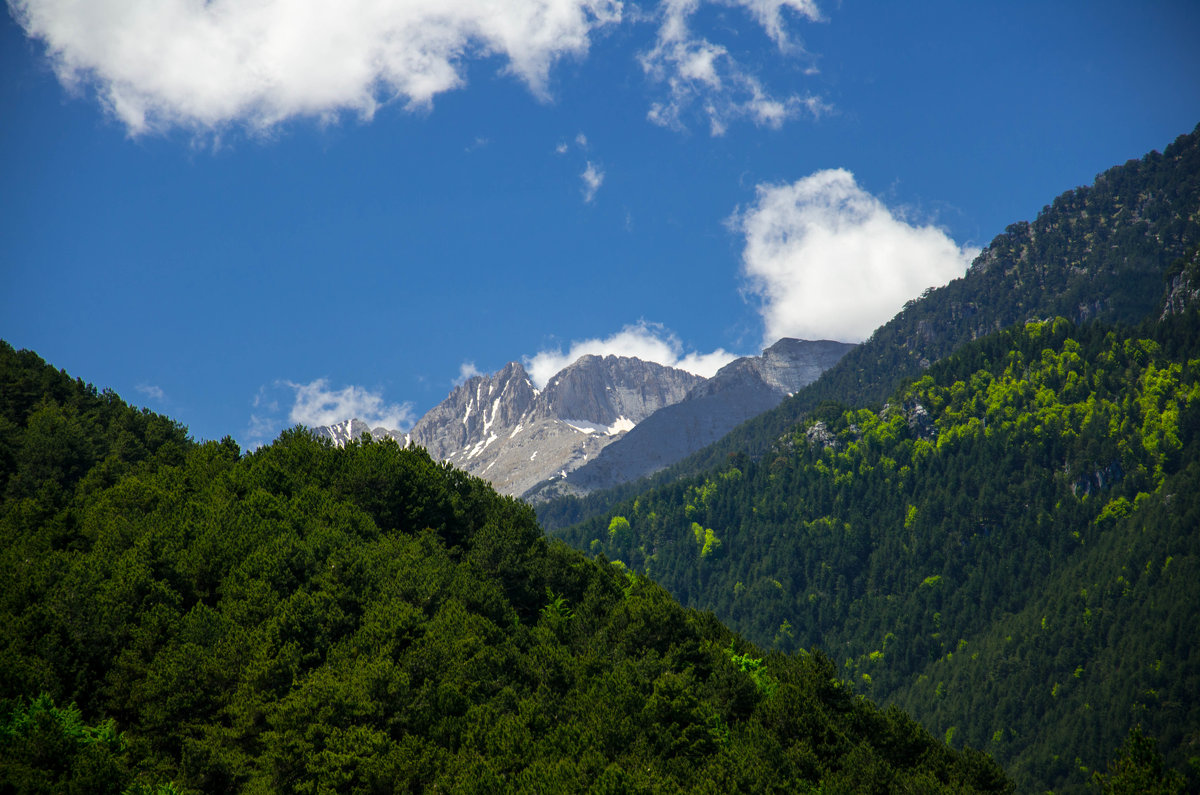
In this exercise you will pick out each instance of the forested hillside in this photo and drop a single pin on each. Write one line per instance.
(1096, 253)
(181, 617)
(1007, 548)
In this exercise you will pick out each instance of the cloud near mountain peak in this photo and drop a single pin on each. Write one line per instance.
(827, 259)
(650, 342)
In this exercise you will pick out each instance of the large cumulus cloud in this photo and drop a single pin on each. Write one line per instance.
(829, 260)
(158, 64)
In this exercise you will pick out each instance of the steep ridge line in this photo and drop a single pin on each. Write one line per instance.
(1095, 253)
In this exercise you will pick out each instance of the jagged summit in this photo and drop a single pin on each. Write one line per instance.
(476, 410)
(573, 434)
(504, 429)
(347, 430)
(740, 390)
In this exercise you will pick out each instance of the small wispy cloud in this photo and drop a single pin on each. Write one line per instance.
(703, 77)
(151, 391)
(829, 260)
(466, 371)
(592, 175)
(316, 404)
(649, 342)
(592, 178)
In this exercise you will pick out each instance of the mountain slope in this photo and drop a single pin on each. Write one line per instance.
(1007, 548)
(1094, 253)
(178, 617)
(740, 390)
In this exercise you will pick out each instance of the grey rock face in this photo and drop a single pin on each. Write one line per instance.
(600, 421)
(740, 390)
(783, 368)
(501, 428)
(1184, 289)
(604, 389)
(476, 410)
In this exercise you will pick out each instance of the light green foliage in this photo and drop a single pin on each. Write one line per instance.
(1114, 510)
(557, 608)
(46, 748)
(706, 539)
(619, 531)
(910, 517)
(754, 668)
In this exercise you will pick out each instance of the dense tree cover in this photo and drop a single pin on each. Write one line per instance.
(182, 617)
(1095, 253)
(1007, 548)
(1139, 770)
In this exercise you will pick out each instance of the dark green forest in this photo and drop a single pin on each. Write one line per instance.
(1007, 548)
(178, 617)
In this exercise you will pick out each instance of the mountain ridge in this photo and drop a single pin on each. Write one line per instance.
(504, 429)
(738, 391)
(1097, 252)
(1005, 540)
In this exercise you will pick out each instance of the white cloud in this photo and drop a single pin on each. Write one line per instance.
(647, 341)
(561, 149)
(699, 73)
(466, 370)
(151, 391)
(204, 65)
(592, 178)
(770, 13)
(317, 404)
(829, 260)
(196, 64)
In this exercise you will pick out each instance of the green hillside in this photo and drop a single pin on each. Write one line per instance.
(181, 617)
(1007, 548)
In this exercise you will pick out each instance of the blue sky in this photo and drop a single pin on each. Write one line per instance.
(245, 215)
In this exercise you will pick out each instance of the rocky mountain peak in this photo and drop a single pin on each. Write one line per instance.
(502, 428)
(475, 408)
(785, 367)
(605, 389)
(740, 390)
(349, 430)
